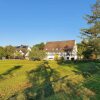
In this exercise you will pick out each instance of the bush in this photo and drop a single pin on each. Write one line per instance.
(36, 59)
(61, 60)
(56, 58)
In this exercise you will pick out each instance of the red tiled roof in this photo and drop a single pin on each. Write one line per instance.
(59, 45)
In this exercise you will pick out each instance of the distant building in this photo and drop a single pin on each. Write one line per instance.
(22, 52)
(65, 49)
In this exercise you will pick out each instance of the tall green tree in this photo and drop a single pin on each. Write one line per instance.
(2, 52)
(91, 35)
(37, 54)
(80, 50)
(40, 46)
(9, 51)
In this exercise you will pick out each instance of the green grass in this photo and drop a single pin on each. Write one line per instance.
(14, 81)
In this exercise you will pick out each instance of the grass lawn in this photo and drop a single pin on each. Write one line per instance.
(84, 83)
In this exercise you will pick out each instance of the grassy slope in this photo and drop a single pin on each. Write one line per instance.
(16, 80)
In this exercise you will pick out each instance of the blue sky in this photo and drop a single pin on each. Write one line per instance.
(34, 21)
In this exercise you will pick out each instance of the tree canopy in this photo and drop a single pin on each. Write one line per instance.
(91, 35)
(40, 46)
(2, 52)
(9, 51)
(37, 54)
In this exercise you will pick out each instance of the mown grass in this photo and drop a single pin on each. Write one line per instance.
(14, 81)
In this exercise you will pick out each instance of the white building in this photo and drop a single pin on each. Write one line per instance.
(66, 49)
(23, 50)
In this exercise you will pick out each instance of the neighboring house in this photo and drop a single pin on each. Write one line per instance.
(22, 52)
(66, 49)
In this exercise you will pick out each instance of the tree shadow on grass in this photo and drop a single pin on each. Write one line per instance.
(93, 83)
(9, 72)
(91, 73)
(47, 83)
(87, 69)
(42, 82)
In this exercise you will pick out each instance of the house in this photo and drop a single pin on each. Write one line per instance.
(65, 49)
(22, 52)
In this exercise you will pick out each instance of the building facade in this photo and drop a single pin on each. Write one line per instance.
(65, 49)
(22, 52)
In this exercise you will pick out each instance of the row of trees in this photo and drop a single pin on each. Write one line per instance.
(89, 48)
(10, 52)
(7, 52)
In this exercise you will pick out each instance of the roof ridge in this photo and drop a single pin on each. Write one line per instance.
(59, 41)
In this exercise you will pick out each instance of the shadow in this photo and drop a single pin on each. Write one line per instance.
(42, 82)
(87, 69)
(77, 72)
(93, 83)
(13, 97)
(47, 84)
(9, 72)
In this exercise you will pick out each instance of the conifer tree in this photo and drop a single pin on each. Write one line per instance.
(91, 35)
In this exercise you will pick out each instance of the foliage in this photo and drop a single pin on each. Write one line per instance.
(40, 46)
(61, 60)
(92, 34)
(35, 53)
(18, 55)
(9, 51)
(81, 49)
(2, 52)
(56, 57)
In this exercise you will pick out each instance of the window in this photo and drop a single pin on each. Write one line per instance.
(67, 58)
(72, 59)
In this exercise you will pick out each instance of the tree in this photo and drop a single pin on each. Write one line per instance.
(92, 34)
(81, 49)
(9, 51)
(40, 46)
(18, 55)
(56, 57)
(2, 52)
(37, 54)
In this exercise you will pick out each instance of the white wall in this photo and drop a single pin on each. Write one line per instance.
(73, 54)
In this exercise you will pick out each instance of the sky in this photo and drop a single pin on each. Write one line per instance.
(29, 22)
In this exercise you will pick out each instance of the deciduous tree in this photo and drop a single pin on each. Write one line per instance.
(37, 54)
(9, 51)
(2, 52)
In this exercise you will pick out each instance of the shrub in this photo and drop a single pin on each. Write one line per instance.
(56, 58)
(61, 60)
